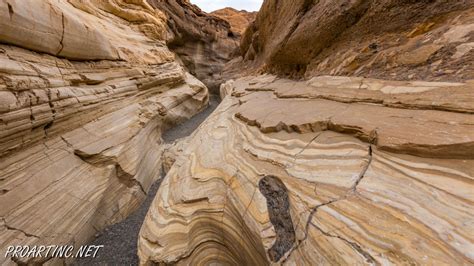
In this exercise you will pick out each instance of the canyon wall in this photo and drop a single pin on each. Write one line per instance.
(204, 43)
(375, 169)
(389, 39)
(86, 88)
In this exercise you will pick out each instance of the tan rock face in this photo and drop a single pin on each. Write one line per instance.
(389, 39)
(80, 140)
(239, 20)
(333, 170)
(203, 42)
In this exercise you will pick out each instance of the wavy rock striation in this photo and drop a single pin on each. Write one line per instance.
(83, 101)
(333, 170)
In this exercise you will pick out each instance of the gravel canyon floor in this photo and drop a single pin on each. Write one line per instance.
(344, 134)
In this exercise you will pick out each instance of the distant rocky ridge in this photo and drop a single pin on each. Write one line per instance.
(239, 20)
(204, 43)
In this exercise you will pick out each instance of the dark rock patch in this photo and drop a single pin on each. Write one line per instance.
(278, 206)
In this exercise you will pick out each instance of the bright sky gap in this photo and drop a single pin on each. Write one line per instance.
(212, 5)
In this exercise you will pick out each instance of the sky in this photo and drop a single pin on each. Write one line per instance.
(211, 5)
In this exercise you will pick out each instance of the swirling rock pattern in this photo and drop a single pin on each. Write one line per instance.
(375, 172)
(83, 101)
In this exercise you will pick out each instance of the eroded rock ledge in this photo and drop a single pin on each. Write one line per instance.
(81, 116)
(375, 172)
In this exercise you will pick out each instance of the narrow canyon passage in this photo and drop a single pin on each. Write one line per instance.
(344, 133)
(120, 240)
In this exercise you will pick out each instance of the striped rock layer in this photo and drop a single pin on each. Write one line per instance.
(334, 170)
(86, 88)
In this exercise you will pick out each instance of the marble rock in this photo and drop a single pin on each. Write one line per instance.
(84, 98)
(334, 170)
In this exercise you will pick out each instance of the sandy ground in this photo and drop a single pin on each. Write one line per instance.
(120, 240)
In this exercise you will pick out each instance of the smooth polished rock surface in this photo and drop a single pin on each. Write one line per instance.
(334, 170)
(83, 30)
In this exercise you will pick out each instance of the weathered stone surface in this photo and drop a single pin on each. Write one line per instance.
(388, 39)
(368, 171)
(80, 141)
(203, 42)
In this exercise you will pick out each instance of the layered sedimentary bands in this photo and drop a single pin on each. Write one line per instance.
(86, 88)
(331, 169)
(334, 170)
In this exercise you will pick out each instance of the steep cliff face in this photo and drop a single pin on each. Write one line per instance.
(86, 88)
(203, 42)
(239, 20)
(390, 39)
